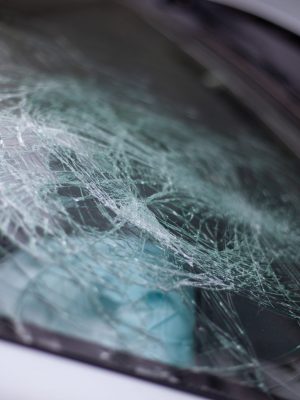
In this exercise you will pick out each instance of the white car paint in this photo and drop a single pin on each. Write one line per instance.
(27, 374)
(285, 13)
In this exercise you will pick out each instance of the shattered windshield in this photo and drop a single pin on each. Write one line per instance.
(141, 207)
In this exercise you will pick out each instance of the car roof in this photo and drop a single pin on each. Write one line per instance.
(283, 13)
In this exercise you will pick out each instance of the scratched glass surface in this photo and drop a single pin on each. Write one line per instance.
(139, 207)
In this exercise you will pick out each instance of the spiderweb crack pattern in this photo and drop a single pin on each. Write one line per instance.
(118, 215)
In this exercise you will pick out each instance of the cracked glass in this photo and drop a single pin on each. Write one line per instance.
(141, 208)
